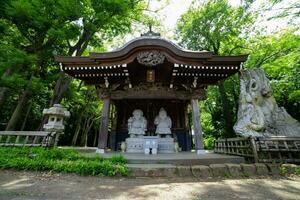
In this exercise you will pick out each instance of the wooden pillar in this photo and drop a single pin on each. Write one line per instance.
(187, 127)
(103, 132)
(186, 116)
(114, 129)
(197, 127)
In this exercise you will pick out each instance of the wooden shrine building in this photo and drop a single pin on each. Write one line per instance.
(149, 73)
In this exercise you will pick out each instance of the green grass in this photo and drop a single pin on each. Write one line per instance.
(284, 170)
(245, 174)
(60, 160)
(297, 171)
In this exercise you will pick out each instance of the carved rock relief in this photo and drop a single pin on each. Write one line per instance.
(259, 114)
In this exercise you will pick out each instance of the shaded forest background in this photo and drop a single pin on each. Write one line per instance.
(32, 32)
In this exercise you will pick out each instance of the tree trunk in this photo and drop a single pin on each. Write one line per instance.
(11, 125)
(95, 137)
(77, 130)
(60, 88)
(64, 81)
(88, 97)
(227, 112)
(81, 139)
(86, 131)
(26, 116)
(3, 90)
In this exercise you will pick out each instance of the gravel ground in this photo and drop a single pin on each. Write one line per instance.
(38, 185)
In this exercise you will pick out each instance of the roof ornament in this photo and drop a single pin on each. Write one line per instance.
(150, 33)
(151, 58)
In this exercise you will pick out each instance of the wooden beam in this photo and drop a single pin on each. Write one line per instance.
(103, 132)
(197, 126)
(156, 94)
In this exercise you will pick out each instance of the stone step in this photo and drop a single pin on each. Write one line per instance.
(188, 162)
(226, 170)
(181, 158)
(184, 159)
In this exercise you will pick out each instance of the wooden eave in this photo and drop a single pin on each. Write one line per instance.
(203, 64)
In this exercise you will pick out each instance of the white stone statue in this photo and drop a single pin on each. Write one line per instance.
(259, 114)
(163, 123)
(137, 124)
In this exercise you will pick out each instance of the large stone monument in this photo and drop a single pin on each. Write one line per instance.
(259, 114)
(137, 125)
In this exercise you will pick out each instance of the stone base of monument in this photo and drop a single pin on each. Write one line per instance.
(201, 151)
(100, 151)
(138, 145)
(135, 145)
(166, 145)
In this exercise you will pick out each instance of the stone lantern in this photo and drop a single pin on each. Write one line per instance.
(55, 124)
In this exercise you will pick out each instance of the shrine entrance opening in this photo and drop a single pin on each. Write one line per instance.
(147, 74)
(176, 109)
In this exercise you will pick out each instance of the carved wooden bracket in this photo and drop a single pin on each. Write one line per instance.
(149, 91)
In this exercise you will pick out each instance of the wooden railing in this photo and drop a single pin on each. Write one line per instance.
(262, 149)
(28, 138)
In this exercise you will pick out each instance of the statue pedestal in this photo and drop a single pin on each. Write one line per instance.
(135, 145)
(139, 145)
(166, 145)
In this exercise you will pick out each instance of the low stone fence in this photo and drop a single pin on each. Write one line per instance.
(277, 149)
(47, 138)
(28, 138)
(217, 170)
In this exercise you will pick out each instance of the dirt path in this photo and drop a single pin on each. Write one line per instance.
(36, 185)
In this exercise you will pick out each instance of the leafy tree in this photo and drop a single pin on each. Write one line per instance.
(39, 23)
(218, 27)
(46, 28)
(292, 9)
(279, 55)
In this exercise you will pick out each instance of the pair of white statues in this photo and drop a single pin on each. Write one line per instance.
(137, 124)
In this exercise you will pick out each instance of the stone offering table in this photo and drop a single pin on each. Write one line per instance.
(144, 144)
(151, 144)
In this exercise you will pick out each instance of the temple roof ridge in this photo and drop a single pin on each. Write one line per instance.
(152, 40)
(152, 36)
(149, 42)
